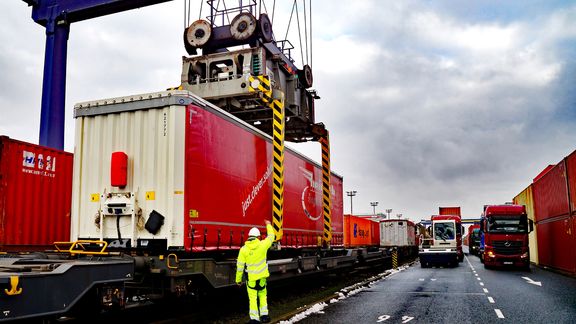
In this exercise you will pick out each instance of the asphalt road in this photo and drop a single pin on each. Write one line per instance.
(465, 294)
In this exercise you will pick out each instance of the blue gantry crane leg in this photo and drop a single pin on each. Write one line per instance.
(56, 16)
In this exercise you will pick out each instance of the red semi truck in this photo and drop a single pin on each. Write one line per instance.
(445, 244)
(474, 239)
(504, 236)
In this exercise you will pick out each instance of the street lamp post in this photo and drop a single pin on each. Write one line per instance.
(388, 211)
(399, 216)
(374, 204)
(351, 194)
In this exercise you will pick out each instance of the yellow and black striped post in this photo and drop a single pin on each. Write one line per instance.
(261, 84)
(278, 123)
(395, 258)
(326, 201)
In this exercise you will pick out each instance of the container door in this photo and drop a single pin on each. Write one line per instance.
(556, 244)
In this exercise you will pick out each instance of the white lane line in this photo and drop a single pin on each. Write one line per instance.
(499, 313)
(478, 278)
(491, 300)
(485, 290)
(421, 279)
(476, 274)
(481, 283)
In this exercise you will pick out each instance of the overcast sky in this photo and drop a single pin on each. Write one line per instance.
(428, 103)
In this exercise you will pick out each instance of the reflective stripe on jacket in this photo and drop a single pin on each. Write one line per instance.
(252, 257)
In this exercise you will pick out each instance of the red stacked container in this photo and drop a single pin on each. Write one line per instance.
(35, 195)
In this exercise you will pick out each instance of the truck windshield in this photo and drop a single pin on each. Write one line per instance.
(475, 235)
(507, 224)
(444, 231)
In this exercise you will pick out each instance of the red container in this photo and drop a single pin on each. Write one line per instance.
(543, 172)
(35, 195)
(359, 231)
(556, 244)
(571, 175)
(550, 193)
(449, 211)
(228, 183)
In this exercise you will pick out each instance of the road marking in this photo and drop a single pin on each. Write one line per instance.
(491, 300)
(476, 274)
(421, 279)
(481, 283)
(433, 279)
(499, 313)
(431, 292)
(530, 281)
(485, 290)
(383, 318)
(478, 278)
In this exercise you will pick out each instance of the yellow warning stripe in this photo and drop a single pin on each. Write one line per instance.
(326, 201)
(261, 83)
(278, 123)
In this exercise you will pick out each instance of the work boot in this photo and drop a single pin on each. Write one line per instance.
(265, 319)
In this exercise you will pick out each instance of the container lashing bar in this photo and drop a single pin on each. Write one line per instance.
(326, 201)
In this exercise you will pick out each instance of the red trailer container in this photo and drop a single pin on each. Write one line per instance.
(449, 211)
(550, 193)
(197, 176)
(35, 195)
(360, 231)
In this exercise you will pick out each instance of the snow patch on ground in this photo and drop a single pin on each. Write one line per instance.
(343, 294)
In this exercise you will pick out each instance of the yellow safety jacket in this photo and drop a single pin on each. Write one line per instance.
(252, 257)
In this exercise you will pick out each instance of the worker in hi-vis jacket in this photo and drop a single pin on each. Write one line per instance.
(252, 258)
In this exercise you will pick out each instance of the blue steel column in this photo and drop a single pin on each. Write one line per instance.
(54, 85)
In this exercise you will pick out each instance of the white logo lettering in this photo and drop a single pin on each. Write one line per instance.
(41, 165)
(29, 159)
(40, 161)
(255, 190)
